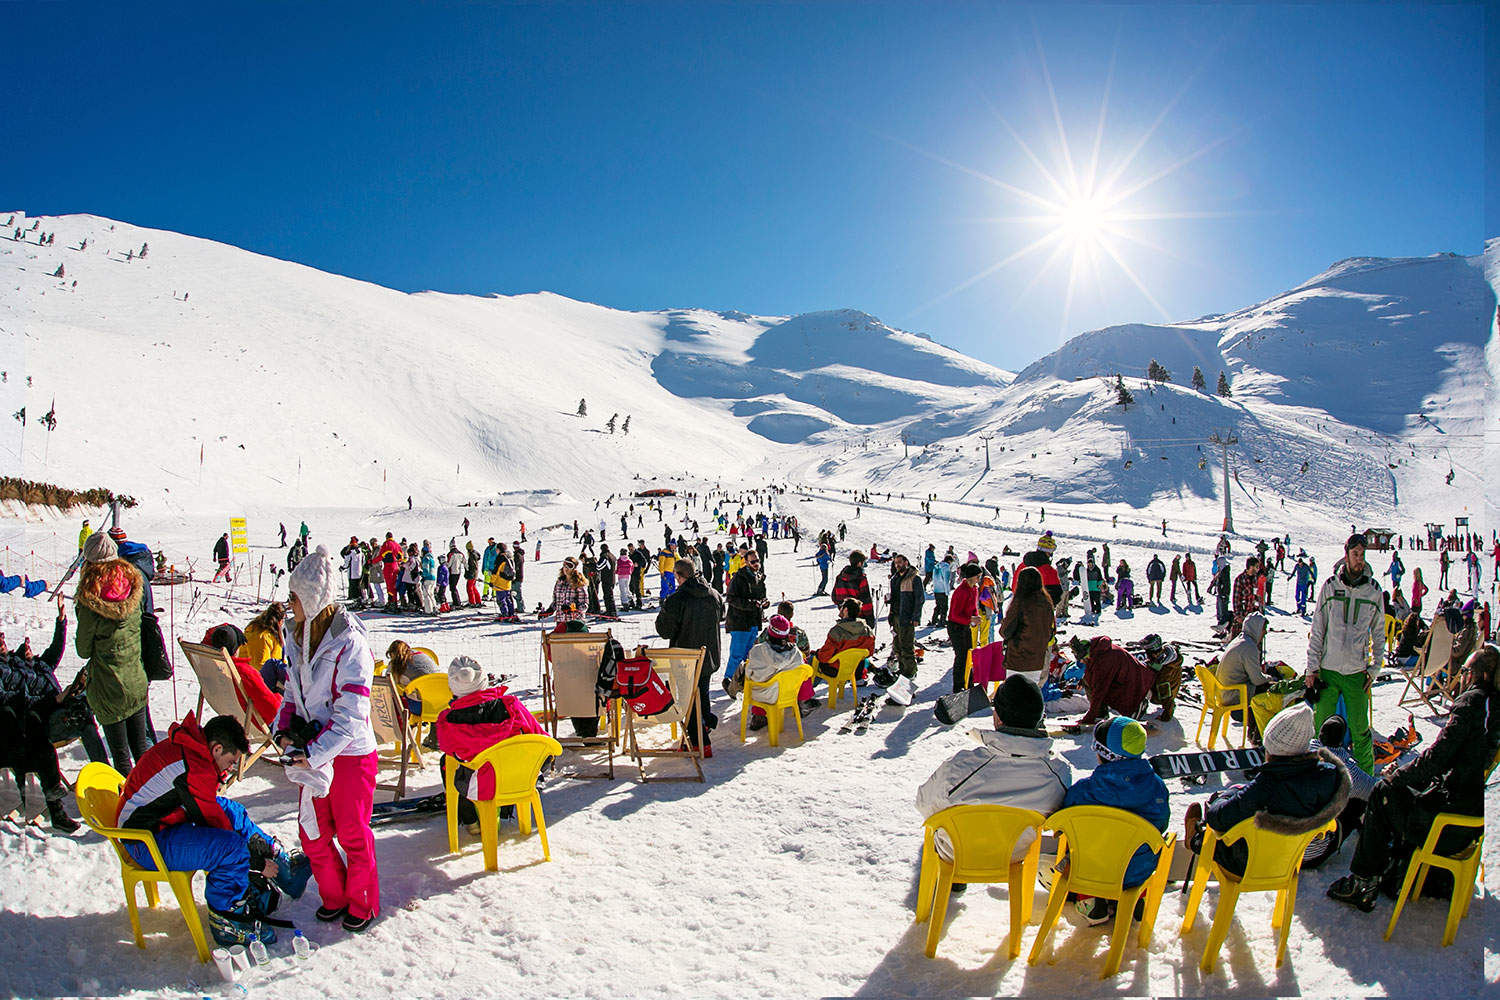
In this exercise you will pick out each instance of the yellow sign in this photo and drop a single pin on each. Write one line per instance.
(239, 541)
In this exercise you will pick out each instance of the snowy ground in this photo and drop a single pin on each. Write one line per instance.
(792, 871)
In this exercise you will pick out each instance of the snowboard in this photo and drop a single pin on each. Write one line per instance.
(954, 708)
(1189, 765)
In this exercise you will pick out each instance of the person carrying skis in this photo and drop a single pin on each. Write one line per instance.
(173, 792)
(221, 556)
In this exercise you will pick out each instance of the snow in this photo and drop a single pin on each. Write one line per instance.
(792, 870)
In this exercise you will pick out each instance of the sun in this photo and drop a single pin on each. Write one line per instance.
(1083, 219)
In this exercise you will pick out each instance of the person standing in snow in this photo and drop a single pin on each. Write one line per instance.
(1156, 572)
(518, 565)
(1190, 589)
(325, 715)
(455, 560)
(824, 558)
(427, 578)
(471, 574)
(851, 582)
(689, 619)
(108, 605)
(221, 556)
(354, 565)
(1346, 646)
(746, 603)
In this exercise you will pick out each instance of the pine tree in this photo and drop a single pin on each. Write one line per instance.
(1224, 386)
(611, 422)
(1123, 396)
(625, 427)
(1198, 382)
(583, 407)
(1157, 372)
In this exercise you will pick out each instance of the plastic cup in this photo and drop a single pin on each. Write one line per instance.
(225, 964)
(241, 958)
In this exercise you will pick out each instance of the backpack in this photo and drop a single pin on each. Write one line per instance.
(642, 688)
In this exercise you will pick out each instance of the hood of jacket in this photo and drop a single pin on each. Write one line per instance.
(1255, 626)
(1296, 825)
(112, 589)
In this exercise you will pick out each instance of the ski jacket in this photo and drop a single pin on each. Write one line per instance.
(906, 597)
(389, 552)
(1156, 569)
(846, 633)
(262, 644)
(689, 619)
(1010, 767)
(1027, 630)
(1094, 576)
(623, 566)
(963, 605)
(1244, 661)
(1189, 570)
(221, 549)
(1448, 776)
(471, 565)
(929, 560)
(851, 582)
(354, 562)
(477, 721)
(331, 689)
(1348, 626)
(569, 602)
(1243, 596)
(942, 578)
(747, 588)
(1133, 785)
(491, 554)
(108, 606)
(1287, 795)
(173, 782)
(518, 563)
(1116, 681)
(824, 558)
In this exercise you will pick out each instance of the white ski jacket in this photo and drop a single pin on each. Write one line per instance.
(1010, 767)
(332, 691)
(1348, 626)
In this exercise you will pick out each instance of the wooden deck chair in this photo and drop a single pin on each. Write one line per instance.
(395, 733)
(680, 669)
(1423, 677)
(570, 670)
(219, 685)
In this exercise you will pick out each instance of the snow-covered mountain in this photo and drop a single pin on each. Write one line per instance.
(201, 371)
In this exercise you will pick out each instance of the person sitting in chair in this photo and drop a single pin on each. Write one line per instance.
(770, 657)
(1012, 766)
(849, 632)
(1447, 777)
(481, 715)
(173, 791)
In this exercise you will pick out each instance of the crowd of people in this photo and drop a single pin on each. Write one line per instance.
(306, 666)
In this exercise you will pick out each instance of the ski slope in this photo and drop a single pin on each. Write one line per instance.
(792, 870)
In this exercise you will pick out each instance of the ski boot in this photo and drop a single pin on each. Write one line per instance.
(238, 925)
(1356, 890)
(61, 821)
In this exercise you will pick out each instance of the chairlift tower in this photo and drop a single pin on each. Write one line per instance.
(1224, 441)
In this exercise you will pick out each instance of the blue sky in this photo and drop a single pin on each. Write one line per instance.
(773, 159)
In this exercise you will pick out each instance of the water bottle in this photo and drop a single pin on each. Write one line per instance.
(258, 952)
(300, 945)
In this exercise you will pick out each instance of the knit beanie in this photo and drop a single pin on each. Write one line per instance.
(1018, 702)
(465, 676)
(1118, 738)
(100, 548)
(313, 582)
(1290, 733)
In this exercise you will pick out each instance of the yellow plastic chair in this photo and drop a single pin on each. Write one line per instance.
(1464, 866)
(983, 837)
(1099, 842)
(848, 666)
(380, 668)
(786, 684)
(516, 763)
(1392, 632)
(98, 794)
(1216, 711)
(1274, 864)
(435, 695)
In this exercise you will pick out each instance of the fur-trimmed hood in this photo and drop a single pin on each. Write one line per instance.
(96, 580)
(1294, 826)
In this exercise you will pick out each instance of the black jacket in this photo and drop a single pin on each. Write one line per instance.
(906, 597)
(747, 588)
(1287, 795)
(28, 694)
(1448, 776)
(689, 619)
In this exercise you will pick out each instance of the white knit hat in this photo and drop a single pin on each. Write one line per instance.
(465, 676)
(1290, 733)
(314, 581)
